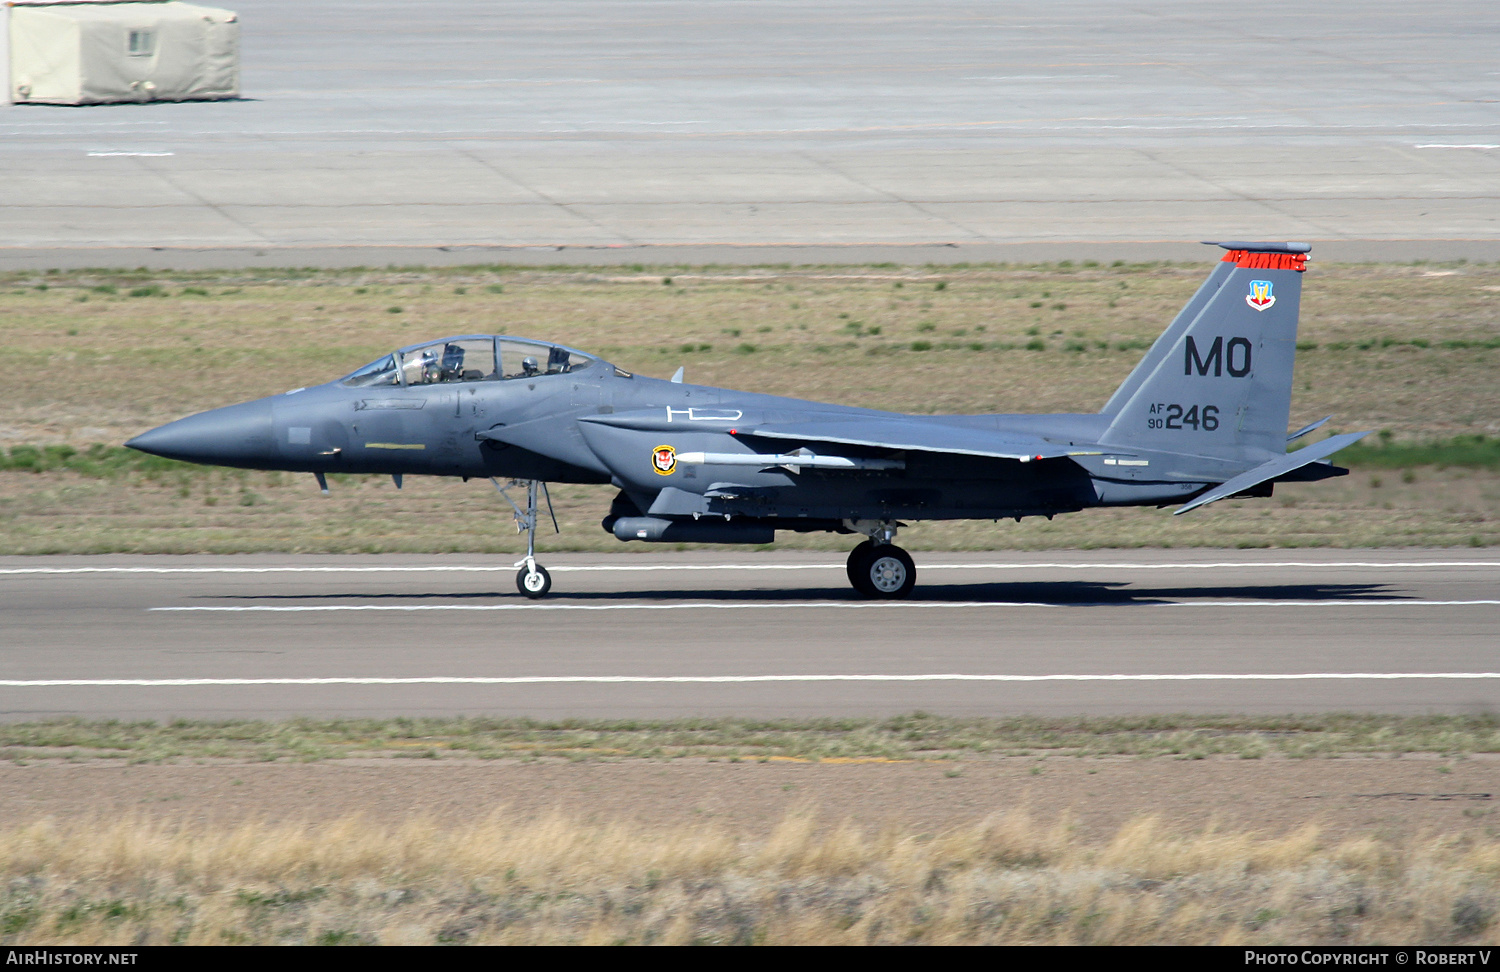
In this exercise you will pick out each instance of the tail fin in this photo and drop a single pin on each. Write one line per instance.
(1218, 382)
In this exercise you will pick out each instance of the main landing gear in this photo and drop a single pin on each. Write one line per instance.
(532, 580)
(878, 568)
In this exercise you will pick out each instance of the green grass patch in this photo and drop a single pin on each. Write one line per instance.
(1466, 451)
(96, 462)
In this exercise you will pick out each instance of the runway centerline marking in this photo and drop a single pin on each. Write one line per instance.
(734, 679)
(753, 605)
(628, 568)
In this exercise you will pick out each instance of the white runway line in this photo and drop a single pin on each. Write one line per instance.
(532, 606)
(736, 679)
(786, 605)
(626, 568)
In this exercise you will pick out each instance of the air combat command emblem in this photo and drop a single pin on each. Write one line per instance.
(1260, 296)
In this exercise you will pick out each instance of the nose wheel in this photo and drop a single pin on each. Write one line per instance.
(881, 570)
(532, 580)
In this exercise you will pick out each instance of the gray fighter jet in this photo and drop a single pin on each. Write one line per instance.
(1201, 418)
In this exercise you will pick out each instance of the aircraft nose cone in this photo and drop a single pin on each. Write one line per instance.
(239, 435)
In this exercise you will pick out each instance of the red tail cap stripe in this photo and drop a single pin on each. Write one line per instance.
(1247, 260)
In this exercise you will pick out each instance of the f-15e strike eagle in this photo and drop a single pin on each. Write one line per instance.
(1201, 418)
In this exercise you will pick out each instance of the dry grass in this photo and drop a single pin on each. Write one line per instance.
(1411, 349)
(918, 736)
(1005, 879)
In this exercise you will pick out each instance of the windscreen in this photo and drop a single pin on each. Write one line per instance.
(382, 372)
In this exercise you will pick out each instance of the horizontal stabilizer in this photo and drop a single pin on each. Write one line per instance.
(915, 435)
(1308, 428)
(1279, 466)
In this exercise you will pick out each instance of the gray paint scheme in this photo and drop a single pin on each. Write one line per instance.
(1204, 416)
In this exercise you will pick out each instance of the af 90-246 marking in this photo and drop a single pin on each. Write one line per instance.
(1176, 418)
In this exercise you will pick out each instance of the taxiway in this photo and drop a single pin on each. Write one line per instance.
(686, 131)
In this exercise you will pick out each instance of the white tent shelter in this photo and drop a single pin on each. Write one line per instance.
(87, 53)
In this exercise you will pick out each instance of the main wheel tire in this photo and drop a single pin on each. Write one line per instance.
(888, 572)
(534, 585)
(881, 570)
(855, 568)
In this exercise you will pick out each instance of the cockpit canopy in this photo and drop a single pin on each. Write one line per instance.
(476, 357)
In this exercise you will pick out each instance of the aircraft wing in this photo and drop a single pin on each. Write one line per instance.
(914, 435)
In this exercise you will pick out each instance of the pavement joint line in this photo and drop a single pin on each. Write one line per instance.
(710, 679)
(579, 568)
(784, 605)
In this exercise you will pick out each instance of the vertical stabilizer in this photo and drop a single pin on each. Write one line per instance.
(1219, 382)
(1169, 337)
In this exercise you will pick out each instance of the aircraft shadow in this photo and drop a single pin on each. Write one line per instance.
(1062, 593)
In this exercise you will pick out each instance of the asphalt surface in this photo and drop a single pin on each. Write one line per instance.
(667, 634)
(378, 132)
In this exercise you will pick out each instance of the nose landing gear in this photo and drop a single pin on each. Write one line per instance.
(532, 580)
(878, 568)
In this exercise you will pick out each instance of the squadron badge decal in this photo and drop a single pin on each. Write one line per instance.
(1260, 296)
(664, 460)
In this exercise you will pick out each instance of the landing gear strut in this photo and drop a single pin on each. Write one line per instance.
(533, 579)
(878, 568)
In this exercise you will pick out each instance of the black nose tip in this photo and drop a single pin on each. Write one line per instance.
(239, 435)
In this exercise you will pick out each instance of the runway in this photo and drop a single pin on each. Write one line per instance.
(665, 131)
(708, 633)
